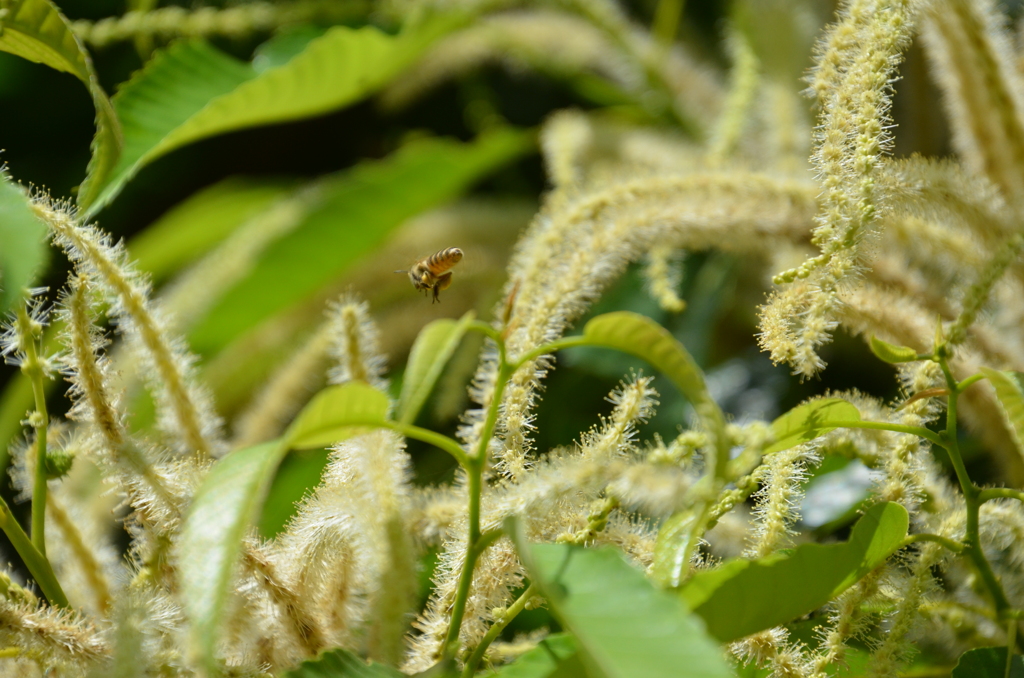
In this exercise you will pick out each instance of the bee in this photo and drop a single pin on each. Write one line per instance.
(432, 273)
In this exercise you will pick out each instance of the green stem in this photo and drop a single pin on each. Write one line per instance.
(35, 561)
(557, 345)
(962, 386)
(990, 493)
(477, 543)
(954, 546)
(451, 641)
(919, 431)
(438, 440)
(29, 332)
(485, 329)
(39, 482)
(496, 628)
(972, 496)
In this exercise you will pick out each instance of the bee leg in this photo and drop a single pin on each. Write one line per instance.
(443, 283)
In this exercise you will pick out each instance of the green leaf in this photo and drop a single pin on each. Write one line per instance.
(624, 627)
(1011, 402)
(174, 86)
(357, 210)
(37, 31)
(342, 664)
(555, 657)
(195, 226)
(640, 336)
(226, 504)
(891, 353)
(743, 597)
(22, 244)
(988, 662)
(806, 422)
(285, 46)
(673, 546)
(430, 353)
(192, 91)
(333, 413)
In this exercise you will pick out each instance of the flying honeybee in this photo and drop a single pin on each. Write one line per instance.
(432, 273)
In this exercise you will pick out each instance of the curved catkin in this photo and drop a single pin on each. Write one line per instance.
(854, 83)
(354, 346)
(167, 23)
(292, 608)
(192, 294)
(663, 274)
(972, 59)
(88, 372)
(577, 246)
(567, 138)
(846, 620)
(352, 537)
(79, 558)
(777, 502)
(736, 112)
(185, 410)
(548, 40)
(95, 403)
(980, 292)
(320, 559)
(893, 650)
(285, 392)
(51, 636)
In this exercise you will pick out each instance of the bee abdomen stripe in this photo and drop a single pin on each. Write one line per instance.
(447, 258)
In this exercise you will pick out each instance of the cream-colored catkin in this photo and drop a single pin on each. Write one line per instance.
(872, 310)
(185, 410)
(293, 608)
(285, 392)
(846, 621)
(193, 293)
(979, 292)
(971, 54)
(89, 373)
(550, 41)
(946, 192)
(143, 624)
(320, 559)
(663, 274)
(736, 112)
(893, 650)
(778, 500)
(772, 649)
(380, 472)
(576, 247)
(81, 558)
(853, 80)
(167, 23)
(96, 403)
(1001, 526)
(354, 345)
(352, 538)
(56, 639)
(567, 137)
